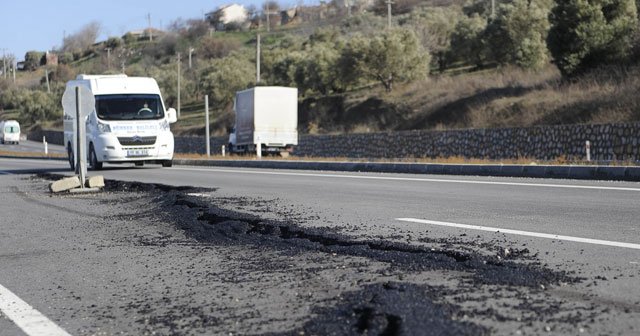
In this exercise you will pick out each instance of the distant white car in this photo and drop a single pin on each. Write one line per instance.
(9, 132)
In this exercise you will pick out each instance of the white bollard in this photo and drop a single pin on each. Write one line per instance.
(206, 122)
(588, 149)
(259, 150)
(222, 149)
(44, 143)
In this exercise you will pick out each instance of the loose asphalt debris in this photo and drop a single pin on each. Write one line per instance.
(378, 286)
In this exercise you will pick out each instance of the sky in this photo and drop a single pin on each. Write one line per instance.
(42, 24)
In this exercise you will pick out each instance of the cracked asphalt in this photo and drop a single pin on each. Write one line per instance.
(154, 259)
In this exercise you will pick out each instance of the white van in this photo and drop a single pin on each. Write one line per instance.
(129, 123)
(9, 132)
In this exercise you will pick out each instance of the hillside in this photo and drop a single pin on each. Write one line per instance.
(437, 69)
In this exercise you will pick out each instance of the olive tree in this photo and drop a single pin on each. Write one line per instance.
(36, 106)
(33, 59)
(434, 27)
(588, 33)
(467, 43)
(518, 34)
(224, 76)
(393, 56)
(320, 71)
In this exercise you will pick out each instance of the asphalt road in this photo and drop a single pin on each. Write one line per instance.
(598, 222)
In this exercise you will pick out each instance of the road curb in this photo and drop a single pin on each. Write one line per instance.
(578, 172)
(581, 172)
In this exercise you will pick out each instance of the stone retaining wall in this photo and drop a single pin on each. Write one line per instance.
(608, 142)
(52, 137)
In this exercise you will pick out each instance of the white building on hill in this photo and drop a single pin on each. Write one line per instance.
(226, 15)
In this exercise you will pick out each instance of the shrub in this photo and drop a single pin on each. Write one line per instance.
(585, 34)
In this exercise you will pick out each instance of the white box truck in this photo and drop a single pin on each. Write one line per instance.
(129, 123)
(9, 132)
(266, 118)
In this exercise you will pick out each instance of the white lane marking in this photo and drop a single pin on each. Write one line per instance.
(31, 321)
(389, 178)
(524, 233)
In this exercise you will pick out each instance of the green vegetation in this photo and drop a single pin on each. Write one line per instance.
(443, 64)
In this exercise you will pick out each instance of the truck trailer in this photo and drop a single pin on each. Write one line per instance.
(266, 119)
(129, 123)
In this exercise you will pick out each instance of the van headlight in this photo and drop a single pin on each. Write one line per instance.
(164, 125)
(104, 128)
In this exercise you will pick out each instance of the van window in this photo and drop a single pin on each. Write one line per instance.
(12, 129)
(129, 107)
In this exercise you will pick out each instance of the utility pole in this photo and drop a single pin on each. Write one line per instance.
(4, 63)
(493, 9)
(258, 60)
(108, 58)
(15, 68)
(46, 75)
(268, 14)
(191, 50)
(179, 75)
(150, 32)
(389, 3)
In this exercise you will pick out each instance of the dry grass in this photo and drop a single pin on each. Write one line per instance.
(442, 160)
(511, 97)
(30, 154)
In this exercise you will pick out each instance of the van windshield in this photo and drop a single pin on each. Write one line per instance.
(129, 107)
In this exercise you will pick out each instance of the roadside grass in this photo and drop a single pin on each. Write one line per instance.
(512, 97)
(30, 154)
(439, 160)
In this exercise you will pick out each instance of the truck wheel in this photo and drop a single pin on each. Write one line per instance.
(167, 163)
(71, 159)
(93, 160)
(139, 163)
(230, 148)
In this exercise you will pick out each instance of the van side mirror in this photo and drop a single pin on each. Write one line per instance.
(171, 115)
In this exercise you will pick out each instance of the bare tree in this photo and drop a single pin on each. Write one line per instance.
(83, 38)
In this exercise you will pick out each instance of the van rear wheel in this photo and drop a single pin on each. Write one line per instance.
(167, 163)
(71, 160)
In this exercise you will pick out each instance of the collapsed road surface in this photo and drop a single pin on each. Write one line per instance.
(151, 257)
